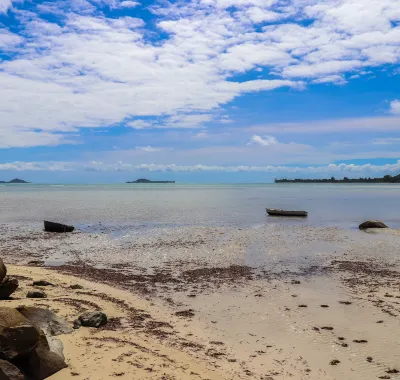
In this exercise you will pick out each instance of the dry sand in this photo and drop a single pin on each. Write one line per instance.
(313, 310)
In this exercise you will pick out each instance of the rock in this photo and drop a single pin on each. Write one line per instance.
(3, 270)
(372, 224)
(42, 283)
(36, 294)
(77, 324)
(42, 363)
(9, 371)
(18, 336)
(8, 287)
(45, 319)
(93, 319)
(76, 286)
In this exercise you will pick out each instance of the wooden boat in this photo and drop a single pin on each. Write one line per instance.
(276, 212)
(57, 227)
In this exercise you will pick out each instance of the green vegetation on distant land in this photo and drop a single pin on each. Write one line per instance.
(385, 179)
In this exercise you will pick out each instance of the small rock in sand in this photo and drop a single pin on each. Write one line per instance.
(334, 362)
(93, 319)
(42, 283)
(76, 286)
(185, 313)
(36, 294)
(7, 287)
(369, 359)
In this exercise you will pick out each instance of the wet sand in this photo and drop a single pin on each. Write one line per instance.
(270, 302)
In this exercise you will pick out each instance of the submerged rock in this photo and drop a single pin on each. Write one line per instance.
(372, 224)
(93, 319)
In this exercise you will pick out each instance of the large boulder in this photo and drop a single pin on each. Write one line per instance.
(18, 337)
(93, 319)
(3, 270)
(42, 363)
(7, 287)
(9, 371)
(46, 320)
(372, 224)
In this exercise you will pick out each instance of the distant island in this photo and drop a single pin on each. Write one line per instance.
(144, 180)
(385, 179)
(15, 180)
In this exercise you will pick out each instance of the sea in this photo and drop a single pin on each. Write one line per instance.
(171, 205)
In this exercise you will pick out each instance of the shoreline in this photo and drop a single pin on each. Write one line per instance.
(202, 303)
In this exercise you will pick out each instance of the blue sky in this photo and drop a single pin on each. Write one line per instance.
(197, 91)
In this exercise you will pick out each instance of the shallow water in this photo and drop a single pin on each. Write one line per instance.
(116, 208)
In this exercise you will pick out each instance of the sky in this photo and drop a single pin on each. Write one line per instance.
(97, 91)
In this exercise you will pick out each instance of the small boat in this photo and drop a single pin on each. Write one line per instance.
(57, 227)
(276, 212)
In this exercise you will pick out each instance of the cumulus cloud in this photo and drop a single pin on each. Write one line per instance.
(263, 140)
(395, 107)
(83, 69)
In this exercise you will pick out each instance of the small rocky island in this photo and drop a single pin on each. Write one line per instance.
(144, 180)
(15, 180)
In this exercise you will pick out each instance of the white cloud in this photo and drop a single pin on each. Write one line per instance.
(139, 124)
(88, 70)
(395, 107)
(147, 149)
(263, 141)
(128, 4)
(331, 169)
(386, 141)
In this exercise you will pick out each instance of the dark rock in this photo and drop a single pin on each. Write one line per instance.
(372, 224)
(36, 262)
(76, 286)
(36, 294)
(3, 270)
(185, 313)
(77, 324)
(93, 319)
(334, 362)
(42, 363)
(42, 283)
(9, 372)
(17, 335)
(8, 287)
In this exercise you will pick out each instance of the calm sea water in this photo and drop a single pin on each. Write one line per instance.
(213, 204)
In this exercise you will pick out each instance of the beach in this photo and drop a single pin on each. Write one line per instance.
(245, 299)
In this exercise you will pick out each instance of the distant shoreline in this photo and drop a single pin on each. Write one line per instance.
(386, 179)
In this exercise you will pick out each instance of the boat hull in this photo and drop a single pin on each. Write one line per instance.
(276, 212)
(57, 227)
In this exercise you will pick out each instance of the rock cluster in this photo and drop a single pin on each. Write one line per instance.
(7, 285)
(24, 349)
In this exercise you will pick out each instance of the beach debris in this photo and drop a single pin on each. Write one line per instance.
(360, 341)
(341, 338)
(93, 319)
(392, 371)
(372, 224)
(7, 285)
(36, 294)
(42, 283)
(76, 286)
(185, 313)
(295, 282)
(329, 328)
(27, 347)
(345, 302)
(9, 371)
(57, 227)
(325, 306)
(384, 377)
(334, 362)
(302, 305)
(369, 359)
